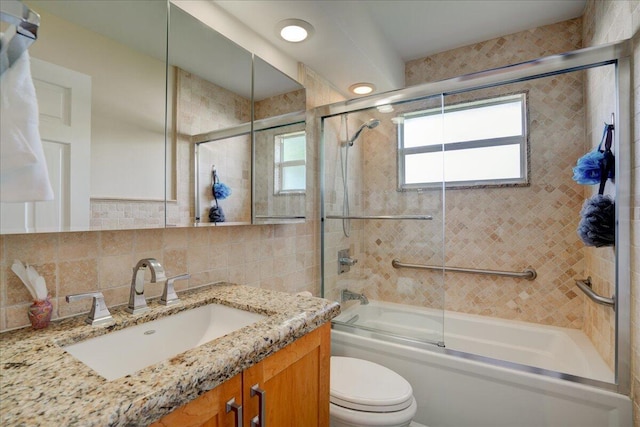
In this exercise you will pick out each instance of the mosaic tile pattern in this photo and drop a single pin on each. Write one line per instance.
(280, 104)
(506, 50)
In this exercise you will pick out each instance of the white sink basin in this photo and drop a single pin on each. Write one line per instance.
(124, 352)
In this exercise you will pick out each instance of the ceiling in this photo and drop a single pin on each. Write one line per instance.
(370, 40)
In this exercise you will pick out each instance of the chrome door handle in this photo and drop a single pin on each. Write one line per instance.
(237, 409)
(260, 419)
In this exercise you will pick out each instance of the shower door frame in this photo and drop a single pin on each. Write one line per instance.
(617, 54)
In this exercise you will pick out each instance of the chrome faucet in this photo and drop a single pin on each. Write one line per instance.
(137, 301)
(346, 295)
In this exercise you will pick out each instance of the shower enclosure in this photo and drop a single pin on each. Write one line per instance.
(452, 204)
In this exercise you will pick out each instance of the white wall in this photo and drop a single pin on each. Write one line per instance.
(128, 107)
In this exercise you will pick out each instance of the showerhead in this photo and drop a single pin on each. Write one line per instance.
(370, 124)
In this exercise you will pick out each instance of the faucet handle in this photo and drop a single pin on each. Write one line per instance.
(169, 296)
(99, 313)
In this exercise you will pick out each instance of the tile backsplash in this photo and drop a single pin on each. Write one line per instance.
(280, 257)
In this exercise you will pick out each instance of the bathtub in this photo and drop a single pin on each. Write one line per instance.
(480, 376)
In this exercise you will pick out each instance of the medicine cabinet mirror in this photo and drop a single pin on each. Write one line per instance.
(116, 170)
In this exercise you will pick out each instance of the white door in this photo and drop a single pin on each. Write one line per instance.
(64, 103)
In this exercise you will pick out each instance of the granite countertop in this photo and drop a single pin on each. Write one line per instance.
(42, 385)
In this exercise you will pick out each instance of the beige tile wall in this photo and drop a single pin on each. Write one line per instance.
(275, 257)
(605, 22)
(513, 228)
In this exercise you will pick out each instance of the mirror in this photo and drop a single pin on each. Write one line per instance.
(210, 86)
(280, 147)
(99, 72)
(211, 126)
(118, 50)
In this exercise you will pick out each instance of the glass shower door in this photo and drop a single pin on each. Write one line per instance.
(376, 226)
(514, 206)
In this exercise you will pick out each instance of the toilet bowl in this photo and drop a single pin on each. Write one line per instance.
(365, 394)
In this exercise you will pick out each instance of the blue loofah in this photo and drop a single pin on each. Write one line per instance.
(221, 191)
(587, 169)
(590, 167)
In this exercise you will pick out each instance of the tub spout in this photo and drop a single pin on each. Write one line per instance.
(346, 295)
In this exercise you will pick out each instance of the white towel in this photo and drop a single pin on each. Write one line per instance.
(23, 170)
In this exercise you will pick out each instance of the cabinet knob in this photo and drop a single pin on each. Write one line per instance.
(237, 409)
(260, 419)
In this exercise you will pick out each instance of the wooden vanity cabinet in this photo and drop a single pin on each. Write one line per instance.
(208, 410)
(295, 381)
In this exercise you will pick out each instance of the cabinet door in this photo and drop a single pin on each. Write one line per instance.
(295, 381)
(208, 410)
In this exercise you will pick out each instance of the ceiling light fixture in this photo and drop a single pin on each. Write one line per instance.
(294, 30)
(362, 88)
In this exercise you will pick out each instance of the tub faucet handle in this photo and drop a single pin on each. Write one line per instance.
(345, 262)
(348, 261)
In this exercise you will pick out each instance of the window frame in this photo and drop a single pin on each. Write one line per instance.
(521, 140)
(280, 164)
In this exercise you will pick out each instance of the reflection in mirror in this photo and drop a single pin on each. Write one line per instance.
(210, 78)
(280, 173)
(279, 166)
(99, 72)
(210, 128)
(223, 179)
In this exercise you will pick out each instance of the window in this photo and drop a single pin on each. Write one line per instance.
(479, 143)
(290, 163)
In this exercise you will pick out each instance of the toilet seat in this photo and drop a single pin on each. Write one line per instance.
(366, 386)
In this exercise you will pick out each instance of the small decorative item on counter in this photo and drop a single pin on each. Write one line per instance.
(40, 310)
(40, 313)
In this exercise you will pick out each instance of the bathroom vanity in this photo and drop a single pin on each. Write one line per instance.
(286, 354)
(294, 381)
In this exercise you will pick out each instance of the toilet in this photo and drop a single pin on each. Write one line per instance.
(365, 394)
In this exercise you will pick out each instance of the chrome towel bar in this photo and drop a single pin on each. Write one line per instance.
(418, 217)
(528, 273)
(585, 286)
(280, 217)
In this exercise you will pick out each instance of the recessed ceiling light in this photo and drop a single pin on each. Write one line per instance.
(362, 88)
(294, 30)
(388, 108)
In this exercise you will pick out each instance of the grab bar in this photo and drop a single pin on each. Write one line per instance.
(418, 217)
(585, 286)
(528, 273)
